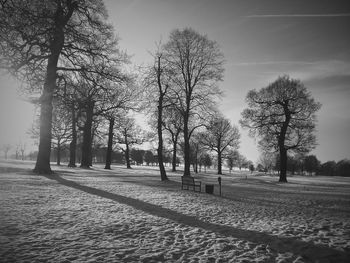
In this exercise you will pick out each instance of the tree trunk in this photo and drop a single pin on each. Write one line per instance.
(42, 165)
(163, 175)
(127, 157)
(196, 160)
(219, 163)
(87, 137)
(58, 153)
(283, 150)
(73, 143)
(110, 144)
(174, 158)
(283, 165)
(175, 137)
(90, 145)
(187, 158)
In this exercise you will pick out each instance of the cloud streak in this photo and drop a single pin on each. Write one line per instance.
(259, 63)
(299, 15)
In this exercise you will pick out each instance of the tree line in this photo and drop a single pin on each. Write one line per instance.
(303, 164)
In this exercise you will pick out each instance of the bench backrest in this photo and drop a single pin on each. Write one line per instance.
(187, 180)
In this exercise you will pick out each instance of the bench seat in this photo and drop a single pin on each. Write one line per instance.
(188, 181)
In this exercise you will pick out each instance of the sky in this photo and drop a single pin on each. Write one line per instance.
(261, 40)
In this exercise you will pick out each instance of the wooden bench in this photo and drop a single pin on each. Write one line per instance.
(190, 182)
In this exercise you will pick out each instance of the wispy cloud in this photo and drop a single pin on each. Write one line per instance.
(259, 63)
(298, 15)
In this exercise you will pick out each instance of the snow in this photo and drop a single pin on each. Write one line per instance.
(122, 215)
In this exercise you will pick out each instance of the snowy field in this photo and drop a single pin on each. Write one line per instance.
(123, 215)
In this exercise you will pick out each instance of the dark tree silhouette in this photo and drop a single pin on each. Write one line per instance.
(41, 38)
(283, 116)
(311, 164)
(196, 64)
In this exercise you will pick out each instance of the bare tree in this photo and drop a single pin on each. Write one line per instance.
(173, 124)
(38, 39)
(127, 134)
(267, 160)
(6, 148)
(283, 116)
(196, 64)
(220, 137)
(157, 80)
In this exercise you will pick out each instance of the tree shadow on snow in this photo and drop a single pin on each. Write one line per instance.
(309, 250)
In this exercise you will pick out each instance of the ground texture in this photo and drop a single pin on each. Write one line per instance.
(123, 215)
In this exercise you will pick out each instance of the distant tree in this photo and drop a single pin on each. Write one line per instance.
(283, 116)
(251, 167)
(149, 157)
(206, 161)
(196, 64)
(22, 148)
(6, 148)
(234, 159)
(128, 134)
(267, 160)
(231, 159)
(220, 137)
(173, 123)
(261, 168)
(311, 164)
(328, 168)
(196, 150)
(343, 168)
(61, 129)
(137, 156)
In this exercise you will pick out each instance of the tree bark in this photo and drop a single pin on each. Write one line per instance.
(42, 165)
(174, 156)
(127, 155)
(110, 144)
(219, 163)
(163, 175)
(187, 158)
(283, 165)
(282, 149)
(58, 153)
(87, 136)
(73, 143)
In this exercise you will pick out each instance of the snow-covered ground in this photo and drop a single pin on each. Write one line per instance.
(123, 215)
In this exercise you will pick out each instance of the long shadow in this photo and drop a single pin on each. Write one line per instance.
(309, 251)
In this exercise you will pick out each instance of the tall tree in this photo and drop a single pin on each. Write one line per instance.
(42, 38)
(157, 81)
(196, 64)
(220, 137)
(161, 77)
(283, 115)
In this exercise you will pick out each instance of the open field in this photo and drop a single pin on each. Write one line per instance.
(123, 215)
